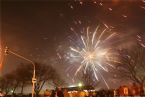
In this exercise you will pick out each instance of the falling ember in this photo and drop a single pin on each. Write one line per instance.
(71, 7)
(106, 25)
(95, 2)
(71, 29)
(110, 9)
(124, 16)
(100, 4)
(59, 56)
(79, 22)
(81, 2)
(92, 54)
(142, 7)
(112, 27)
(140, 41)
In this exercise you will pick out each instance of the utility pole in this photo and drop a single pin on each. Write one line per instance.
(8, 51)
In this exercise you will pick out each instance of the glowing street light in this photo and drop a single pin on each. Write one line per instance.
(80, 84)
(8, 51)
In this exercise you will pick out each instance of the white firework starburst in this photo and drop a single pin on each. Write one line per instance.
(94, 53)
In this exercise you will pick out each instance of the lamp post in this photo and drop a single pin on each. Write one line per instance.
(8, 51)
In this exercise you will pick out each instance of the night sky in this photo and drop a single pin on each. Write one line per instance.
(36, 29)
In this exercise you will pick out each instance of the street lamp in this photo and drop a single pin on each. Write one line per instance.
(8, 51)
(80, 84)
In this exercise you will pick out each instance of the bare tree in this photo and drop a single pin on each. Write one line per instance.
(45, 73)
(132, 65)
(22, 76)
(7, 83)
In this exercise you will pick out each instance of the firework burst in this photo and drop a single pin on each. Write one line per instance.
(94, 52)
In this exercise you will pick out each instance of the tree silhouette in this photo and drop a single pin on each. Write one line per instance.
(7, 83)
(132, 65)
(44, 73)
(22, 77)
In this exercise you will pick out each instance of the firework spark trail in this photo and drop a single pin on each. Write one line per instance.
(104, 81)
(140, 40)
(1, 56)
(91, 54)
(142, 7)
(95, 70)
